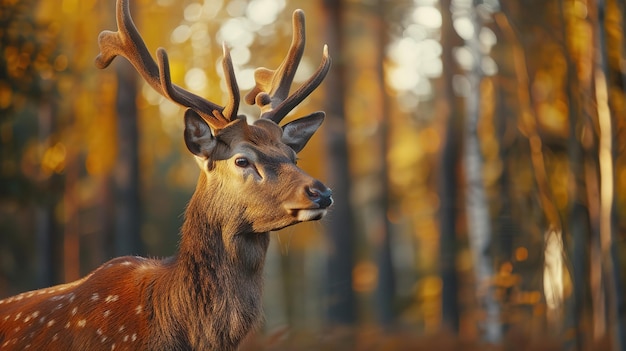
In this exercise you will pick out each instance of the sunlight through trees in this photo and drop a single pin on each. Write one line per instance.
(475, 150)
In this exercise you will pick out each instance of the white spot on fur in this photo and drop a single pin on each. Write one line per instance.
(81, 323)
(50, 323)
(126, 263)
(107, 313)
(17, 316)
(113, 347)
(55, 337)
(134, 337)
(57, 298)
(95, 297)
(111, 298)
(121, 329)
(138, 309)
(99, 331)
(74, 311)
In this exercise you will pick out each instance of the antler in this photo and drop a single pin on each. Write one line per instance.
(271, 92)
(127, 42)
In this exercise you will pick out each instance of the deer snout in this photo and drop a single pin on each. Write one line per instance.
(312, 204)
(320, 194)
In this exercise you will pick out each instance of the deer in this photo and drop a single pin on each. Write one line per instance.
(207, 296)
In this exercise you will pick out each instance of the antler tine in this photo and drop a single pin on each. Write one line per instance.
(231, 109)
(271, 92)
(280, 111)
(127, 42)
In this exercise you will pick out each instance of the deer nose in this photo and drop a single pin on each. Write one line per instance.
(320, 194)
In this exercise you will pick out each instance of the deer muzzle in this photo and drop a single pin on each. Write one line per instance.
(320, 198)
(320, 195)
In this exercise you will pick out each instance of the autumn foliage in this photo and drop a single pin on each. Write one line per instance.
(475, 148)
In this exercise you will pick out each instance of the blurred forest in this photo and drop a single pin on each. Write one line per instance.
(475, 149)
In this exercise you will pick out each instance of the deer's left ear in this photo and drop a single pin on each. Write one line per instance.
(198, 137)
(297, 133)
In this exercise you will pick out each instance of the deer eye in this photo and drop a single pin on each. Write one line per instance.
(242, 162)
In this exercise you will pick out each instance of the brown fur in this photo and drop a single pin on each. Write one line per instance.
(206, 297)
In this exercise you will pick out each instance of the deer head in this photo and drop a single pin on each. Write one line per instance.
(251, 164)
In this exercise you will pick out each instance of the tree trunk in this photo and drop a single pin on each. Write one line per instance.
(128, 213)
(448, 173)
(578, 221)
(48, 241)
(606, 156)
(340, 227)
(385, 288)
(477, 209)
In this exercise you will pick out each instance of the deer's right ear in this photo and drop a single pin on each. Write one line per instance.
(198, 137)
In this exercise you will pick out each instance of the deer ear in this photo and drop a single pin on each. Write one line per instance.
(297, 133)
(198, 137)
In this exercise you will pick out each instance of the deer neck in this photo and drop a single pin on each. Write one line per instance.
(219, 235)
(217, 274)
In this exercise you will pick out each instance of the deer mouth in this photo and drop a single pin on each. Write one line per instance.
(308, 214)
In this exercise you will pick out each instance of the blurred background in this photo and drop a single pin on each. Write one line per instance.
(474, 147)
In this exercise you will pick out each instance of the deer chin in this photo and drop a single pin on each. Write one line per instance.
(312, 214)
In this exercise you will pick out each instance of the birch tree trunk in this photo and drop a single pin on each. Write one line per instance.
(606, 157)
(477, 209)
